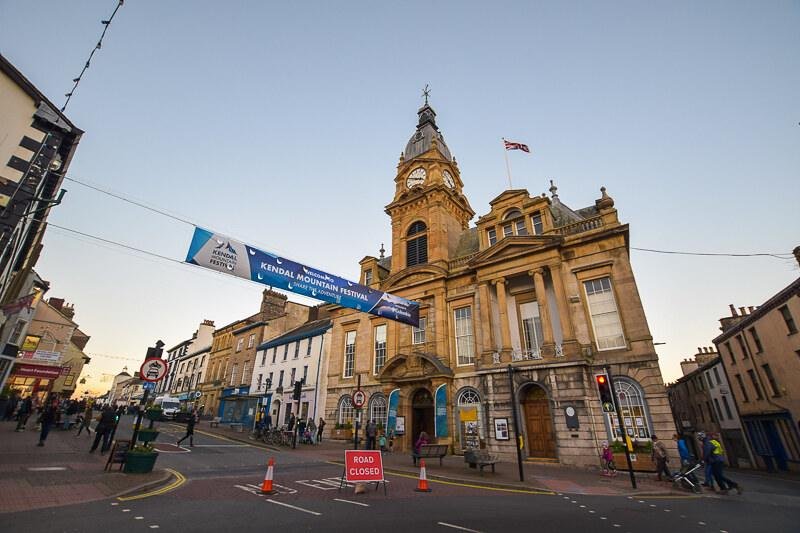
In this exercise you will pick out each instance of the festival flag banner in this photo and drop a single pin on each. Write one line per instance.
(440, 409)
(223, 254)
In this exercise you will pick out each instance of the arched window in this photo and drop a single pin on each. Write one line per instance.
(513, 223)
(417, 244)
(512, 213)
(633, 408)
(377, 409)
(346, 410)
(470, 418)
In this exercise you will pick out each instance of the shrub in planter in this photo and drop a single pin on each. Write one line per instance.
(140, 459)
(154, 413)
(147, 435)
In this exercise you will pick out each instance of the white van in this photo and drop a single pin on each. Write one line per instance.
(170, 406)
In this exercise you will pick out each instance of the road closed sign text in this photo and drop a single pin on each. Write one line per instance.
(363, 466)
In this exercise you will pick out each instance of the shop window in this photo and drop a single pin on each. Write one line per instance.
(633, 408)
(470, 417)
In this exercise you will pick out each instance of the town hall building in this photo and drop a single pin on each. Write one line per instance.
(537, 296)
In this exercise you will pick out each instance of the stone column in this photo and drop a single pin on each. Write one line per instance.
(487, 343)
(563, 305)
(505, 330)
(541, 299)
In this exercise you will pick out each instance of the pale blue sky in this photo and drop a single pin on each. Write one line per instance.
(281, 124)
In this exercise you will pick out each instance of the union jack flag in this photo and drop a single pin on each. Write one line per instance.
(516, 146)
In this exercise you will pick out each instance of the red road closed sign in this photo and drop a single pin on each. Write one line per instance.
(364, 466)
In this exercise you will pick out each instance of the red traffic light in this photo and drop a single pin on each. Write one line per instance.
(601, 379)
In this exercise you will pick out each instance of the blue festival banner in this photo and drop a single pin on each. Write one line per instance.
(391, 412)
(440, 410)
(223, 254)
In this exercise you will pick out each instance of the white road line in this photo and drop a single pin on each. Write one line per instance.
(460, 528)
(126, 510)
(221, 446)
(603, 518)
(115, 503)
(591, 511)
(154, 526)
(667, 510)
(47, 468)
(652, 505)
(138, 517)
(354, 503)
(293, 507)
(583, 507)
(701, 523)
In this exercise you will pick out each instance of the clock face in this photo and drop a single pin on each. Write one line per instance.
(570, 411)
(417, 177)
(448, 179)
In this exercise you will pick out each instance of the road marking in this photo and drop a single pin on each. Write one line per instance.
(280, 489)
(701, 523)
(221, 446)
(179, 480)
(667, 510)
(220, 437)
(126, 510)
(591, 511)
(354, 503)
(154, 526)
(47, 468)
(293, 507)
(445, 524)
(138, 517)
(617, 525)
(603, 518)
(652, 505)
(467, 485)
(114, 503)
(583, 507)
(320, 484)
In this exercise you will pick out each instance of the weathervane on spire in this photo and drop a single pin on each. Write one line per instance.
(426, 92)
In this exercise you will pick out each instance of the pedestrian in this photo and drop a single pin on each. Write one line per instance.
(422, 440)
(11, 406)
(72, 410)
(372, 432)
(189, 430)
(311, 430)
(25, 410)
(267, 422)
(382, 443)
(290, 425)
(609, 469)
(301, 429)
(320, 428)
(708, 473)
(106, 422)
(47, 419)
(659, 456)
(714, 454)
(86, 422)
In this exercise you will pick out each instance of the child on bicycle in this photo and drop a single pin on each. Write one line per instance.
(609, 469)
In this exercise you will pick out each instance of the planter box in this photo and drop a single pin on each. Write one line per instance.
(641, 462)
(342, 434)
(140, 462)
(146, 435)
(154, 414)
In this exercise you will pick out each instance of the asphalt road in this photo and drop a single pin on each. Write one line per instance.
(221, 494)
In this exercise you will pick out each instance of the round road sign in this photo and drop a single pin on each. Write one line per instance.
(153, 369)
(359, 399)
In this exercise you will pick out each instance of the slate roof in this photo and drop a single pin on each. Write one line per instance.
(309, 329)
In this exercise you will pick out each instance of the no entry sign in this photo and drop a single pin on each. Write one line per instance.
(364, 466)
(153, 369)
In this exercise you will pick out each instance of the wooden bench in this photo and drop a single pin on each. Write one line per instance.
(237, 427)
(214, 422)
(480, 459)
(430, 450)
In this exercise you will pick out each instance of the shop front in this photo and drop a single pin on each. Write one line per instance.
(33, 380)
(237, 406)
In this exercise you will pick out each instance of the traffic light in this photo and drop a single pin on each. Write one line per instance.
(603, 387)
(298, 387)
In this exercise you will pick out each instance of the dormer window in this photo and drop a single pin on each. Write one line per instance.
(417, 244)
(368, 277)
(514, 223)
(536, 222)
(491, 233)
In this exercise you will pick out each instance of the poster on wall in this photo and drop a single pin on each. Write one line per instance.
(401, 425)
(223, 254)
(501, 429)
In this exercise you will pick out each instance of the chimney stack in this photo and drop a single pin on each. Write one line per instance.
(743, 311)
(751, 309)
(796, 253)
(733, 310)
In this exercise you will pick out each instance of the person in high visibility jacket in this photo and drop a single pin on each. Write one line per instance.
(714, 454)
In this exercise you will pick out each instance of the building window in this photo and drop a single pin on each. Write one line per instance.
(291, 377)
(536, 222)
(296, 349)
(258, 381)
(417, 244)
(605, 318)
(418, 334)
(532, 334)
(239, 344)
(716, 375)
(280, 379)
(308, 347)
(305, 373)
(470, 417)
(711, 414)
(730, 353)
(787, 317)
(752, 375)
(739, 380)
(263, 358)
(742, 347)
(727, 407)
(380, 347)
(368, 277)
(349, 354)
(634, 414)
(269, 381)
(233, 373)
(345, 410)
(465, 348)
(251, 340)
(491, 233)
(508, 230)
(245, 368)
(377, 409)
(756, 340)
(776, 392)
(702, 413)
(285, 351)
(274, 354)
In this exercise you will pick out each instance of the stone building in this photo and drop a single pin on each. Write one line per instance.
(760, 350)
(535, 286)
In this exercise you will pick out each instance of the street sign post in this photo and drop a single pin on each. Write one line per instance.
(153, 369)
(359, 399)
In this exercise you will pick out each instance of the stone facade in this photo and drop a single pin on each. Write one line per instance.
(536, 287)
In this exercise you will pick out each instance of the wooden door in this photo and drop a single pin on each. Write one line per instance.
(539, 424)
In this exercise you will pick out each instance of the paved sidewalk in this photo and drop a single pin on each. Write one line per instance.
(538, 476)
(60, 473)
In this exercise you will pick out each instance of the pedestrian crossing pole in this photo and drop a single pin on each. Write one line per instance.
(516, 421)
(622, 429)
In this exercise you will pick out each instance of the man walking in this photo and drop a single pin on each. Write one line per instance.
(189, 430)
(659, 456)
(47, 418)
(714, 455)
(87, 420)
(372, 433)
(103, 429)
(25, 409)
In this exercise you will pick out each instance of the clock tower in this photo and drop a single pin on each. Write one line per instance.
(429, 211)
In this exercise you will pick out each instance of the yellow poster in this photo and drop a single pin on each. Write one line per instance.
(468, 414)
(31, 343)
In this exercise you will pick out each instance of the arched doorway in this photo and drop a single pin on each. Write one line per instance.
(422, 413)
(538, 423)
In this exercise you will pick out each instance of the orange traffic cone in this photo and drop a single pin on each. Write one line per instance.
(422, 486)
(266, 487)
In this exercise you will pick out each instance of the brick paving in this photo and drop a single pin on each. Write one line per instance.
(62, 472)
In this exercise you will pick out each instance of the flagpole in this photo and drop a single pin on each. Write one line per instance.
(508, 165)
